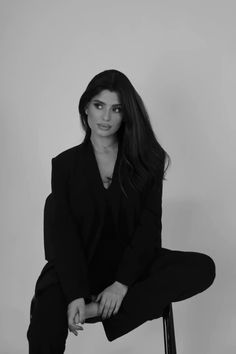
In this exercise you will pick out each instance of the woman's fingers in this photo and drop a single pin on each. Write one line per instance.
(102, 307)
(77, 318)
(76, 315)
(107, 309)
(111, 309)
(82, 314)
(73, 330)
(116, 309)
(98, 297)
(75, 327)
(72, 324)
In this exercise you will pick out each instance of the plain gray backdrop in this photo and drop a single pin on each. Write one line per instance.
(180, 56)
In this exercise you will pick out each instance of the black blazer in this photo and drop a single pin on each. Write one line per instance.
(77, 216)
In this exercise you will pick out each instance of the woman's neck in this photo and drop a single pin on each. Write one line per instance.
(104, 147)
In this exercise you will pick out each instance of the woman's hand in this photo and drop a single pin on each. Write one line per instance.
(111, 299)
(76, 314)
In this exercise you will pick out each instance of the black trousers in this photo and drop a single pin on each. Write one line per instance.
(173, 276)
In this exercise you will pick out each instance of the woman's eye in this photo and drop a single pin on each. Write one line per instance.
(97, 105)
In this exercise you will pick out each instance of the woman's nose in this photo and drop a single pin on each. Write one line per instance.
(106, 115)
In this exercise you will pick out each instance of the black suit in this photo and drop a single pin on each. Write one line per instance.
(155, 275)
(79, 214)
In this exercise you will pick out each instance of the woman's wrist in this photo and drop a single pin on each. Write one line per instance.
(120, 284)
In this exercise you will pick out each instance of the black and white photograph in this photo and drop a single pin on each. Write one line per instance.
(118, 177)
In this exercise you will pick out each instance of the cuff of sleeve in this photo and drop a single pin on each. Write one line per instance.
(82, 293)
(124, 279)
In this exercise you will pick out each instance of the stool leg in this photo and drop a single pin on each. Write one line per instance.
(169, 331)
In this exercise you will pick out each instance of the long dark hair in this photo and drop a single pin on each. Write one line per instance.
(142, 154)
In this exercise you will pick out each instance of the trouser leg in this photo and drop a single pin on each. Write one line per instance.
(48, 328)
(173, 276)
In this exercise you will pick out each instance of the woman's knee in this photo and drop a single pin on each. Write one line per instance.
(206, 267)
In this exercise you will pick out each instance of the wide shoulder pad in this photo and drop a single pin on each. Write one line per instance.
(68, 155)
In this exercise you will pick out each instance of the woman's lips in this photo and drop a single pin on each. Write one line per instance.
(102, 126)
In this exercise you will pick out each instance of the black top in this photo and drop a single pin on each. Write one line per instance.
(109, 243)
(109, 249)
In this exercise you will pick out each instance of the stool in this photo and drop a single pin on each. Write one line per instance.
(169, 331)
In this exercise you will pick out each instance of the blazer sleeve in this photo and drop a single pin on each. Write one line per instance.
(70, 261)
(146, 238)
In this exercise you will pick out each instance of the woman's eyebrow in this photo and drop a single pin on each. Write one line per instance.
(115, 104)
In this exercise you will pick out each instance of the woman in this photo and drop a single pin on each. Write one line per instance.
(106, 260)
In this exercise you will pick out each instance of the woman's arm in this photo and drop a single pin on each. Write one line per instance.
(146, 238)
(70, 262)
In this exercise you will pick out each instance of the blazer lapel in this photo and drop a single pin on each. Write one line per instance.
(95, 181)
(89, 165)
(91, 171)
(130, 206)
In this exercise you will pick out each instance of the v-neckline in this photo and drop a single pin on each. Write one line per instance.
(105, 190)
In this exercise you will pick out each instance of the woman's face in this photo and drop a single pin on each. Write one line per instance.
(104, 108)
